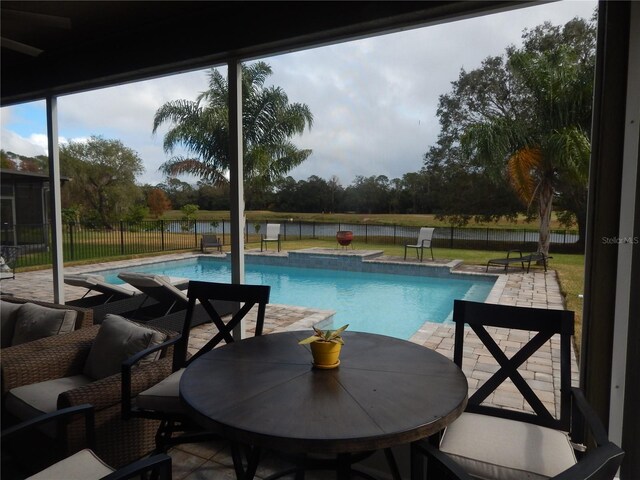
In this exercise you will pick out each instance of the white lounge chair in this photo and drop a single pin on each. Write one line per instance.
(158, 287)
(272, 235)
(94, 282)
(424, 241)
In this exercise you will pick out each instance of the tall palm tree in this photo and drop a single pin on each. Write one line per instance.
(201, 127)
(544, 146)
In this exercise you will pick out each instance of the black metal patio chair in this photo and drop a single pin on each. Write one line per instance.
(491, 442)
(162, 401)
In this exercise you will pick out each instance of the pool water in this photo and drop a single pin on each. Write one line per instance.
(387, 304)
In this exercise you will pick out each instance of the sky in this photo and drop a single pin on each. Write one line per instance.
(374, 100)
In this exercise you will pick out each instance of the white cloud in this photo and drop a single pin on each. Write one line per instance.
(374, 100)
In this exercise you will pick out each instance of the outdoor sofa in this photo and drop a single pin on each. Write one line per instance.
(68, 357)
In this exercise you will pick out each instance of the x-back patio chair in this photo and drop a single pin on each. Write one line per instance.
(162, 401)
(491, 442)
(272, 235)
(424, 241)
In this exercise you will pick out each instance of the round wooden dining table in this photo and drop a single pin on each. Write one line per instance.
(264, 391)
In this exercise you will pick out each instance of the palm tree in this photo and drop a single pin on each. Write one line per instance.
(544, 146)
(201, 127)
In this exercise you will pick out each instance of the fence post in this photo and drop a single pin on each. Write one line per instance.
(487, 245)
(162, 235)
(71, 249)
(564, 240)
(300, 227)
(313, 225)
(394, 233)
(451, 238)
(195, 234)
(366, 233)
(121, 237)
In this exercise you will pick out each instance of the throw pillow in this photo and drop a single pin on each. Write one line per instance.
(35, 321)
(117, 340)
(8, 314)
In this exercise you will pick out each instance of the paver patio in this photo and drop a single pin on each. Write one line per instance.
(535, 289)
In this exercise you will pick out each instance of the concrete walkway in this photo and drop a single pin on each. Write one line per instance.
(535, 289)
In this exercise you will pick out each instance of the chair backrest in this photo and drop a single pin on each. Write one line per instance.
(542, 325)
(426, 234)
(98, 283)
(210, 239)
(206, 293)
(273, 230)
(157, 287)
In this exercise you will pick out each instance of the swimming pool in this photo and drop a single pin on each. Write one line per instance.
(388, 304)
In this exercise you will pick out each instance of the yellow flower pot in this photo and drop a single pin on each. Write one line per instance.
(325, 354)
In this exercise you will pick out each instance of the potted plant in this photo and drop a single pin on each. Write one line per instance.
(325, 346)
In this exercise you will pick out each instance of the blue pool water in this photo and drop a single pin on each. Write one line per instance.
(388, 304)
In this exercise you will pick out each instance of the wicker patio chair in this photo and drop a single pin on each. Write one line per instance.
(83, 464)
(117, 442)
(84, 318)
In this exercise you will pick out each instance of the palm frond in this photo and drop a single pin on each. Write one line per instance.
(523, 172)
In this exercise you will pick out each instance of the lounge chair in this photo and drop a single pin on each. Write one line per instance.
(272, 235)
(521, 259)
(424, 241)
(93, 282)
(158, 287)
(210, 241)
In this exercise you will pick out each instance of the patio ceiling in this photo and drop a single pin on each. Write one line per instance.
(54, 48)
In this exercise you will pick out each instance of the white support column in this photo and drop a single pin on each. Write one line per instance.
(626, 241)
(55, 204)
(234, 75)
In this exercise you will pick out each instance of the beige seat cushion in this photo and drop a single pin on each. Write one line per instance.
(84, 465)
(30, 401)
(35, 321)
(163, 396)
(117, 340)
(497, 448)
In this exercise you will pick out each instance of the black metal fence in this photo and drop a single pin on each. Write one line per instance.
(81, 242)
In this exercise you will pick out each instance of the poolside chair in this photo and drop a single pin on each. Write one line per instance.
(162, 401)
(491, 442)
(424, 241)
(94, 282)
(8, 260)
(272, 235)
(161, 289)
(521, 259)
(83, 464)
(210, 241)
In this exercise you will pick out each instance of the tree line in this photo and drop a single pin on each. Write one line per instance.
(514, 138)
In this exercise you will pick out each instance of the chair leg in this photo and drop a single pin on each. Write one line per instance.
(432, 259)
(405, 252)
